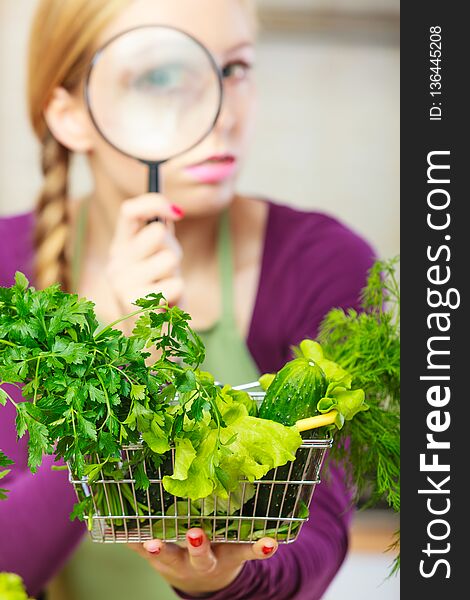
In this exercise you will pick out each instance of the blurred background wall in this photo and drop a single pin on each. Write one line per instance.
(327, 139)
(328, 129)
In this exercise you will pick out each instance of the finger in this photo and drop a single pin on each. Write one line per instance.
(201, 557)
(171, 241)
(260, 550)
(135, 213)
(150, 206)
(149, 240)
(161, 554)
(163, 265)
(172, 289)
(139, 548)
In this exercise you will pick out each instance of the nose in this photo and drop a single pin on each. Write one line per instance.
(227, 117)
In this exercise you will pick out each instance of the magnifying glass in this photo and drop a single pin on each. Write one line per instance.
(153, 92)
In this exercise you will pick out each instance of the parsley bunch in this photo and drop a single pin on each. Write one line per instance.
(89, 391)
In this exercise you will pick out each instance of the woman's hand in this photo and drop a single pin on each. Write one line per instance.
(144, 255)
(199, 568)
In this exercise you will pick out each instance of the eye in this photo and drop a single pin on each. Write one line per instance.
(237, 70)
(161, 80)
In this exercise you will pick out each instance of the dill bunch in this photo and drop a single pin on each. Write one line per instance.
(367, 345)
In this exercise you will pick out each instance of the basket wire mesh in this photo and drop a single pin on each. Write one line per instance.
(274, 506)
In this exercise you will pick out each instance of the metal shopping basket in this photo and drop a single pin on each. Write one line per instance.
(275, 506)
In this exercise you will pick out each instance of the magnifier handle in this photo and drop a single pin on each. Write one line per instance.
(154, 184)
(154, 178)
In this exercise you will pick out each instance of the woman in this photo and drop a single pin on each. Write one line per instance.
(256, 276)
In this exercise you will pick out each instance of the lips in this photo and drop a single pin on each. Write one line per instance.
(214, 169)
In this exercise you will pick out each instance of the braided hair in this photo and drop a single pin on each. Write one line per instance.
(62, 41)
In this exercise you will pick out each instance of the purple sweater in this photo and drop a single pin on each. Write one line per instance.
(310, 264)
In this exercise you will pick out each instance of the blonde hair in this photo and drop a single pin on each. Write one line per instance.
(62, 41)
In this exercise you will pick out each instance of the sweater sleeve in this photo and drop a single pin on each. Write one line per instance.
(37, 535)
(338, 264)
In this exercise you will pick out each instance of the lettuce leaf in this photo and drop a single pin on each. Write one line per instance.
(260, 445)
(213, 461)
(335, 374)
(200, 475)
(339, 395)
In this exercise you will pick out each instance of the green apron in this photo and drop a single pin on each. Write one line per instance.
(97, 571)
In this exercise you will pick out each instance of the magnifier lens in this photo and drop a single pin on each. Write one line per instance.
(154, 92)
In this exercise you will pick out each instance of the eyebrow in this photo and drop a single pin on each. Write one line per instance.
(240, 46)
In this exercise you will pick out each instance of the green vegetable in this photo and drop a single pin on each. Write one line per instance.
(338, 396)
(307, 385)
(266, 379)
(234, 529)
(294, 392)
(215, 460)
(12, 587)
(4, 462)
(242, 397)
(367, 345)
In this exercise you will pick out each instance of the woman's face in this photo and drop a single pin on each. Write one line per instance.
(203, 179)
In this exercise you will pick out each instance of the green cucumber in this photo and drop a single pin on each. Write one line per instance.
(292, 395)
(294, 392)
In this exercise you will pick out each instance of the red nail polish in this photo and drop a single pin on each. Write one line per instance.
(267, 549)
(179, 212)
(195, 541)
